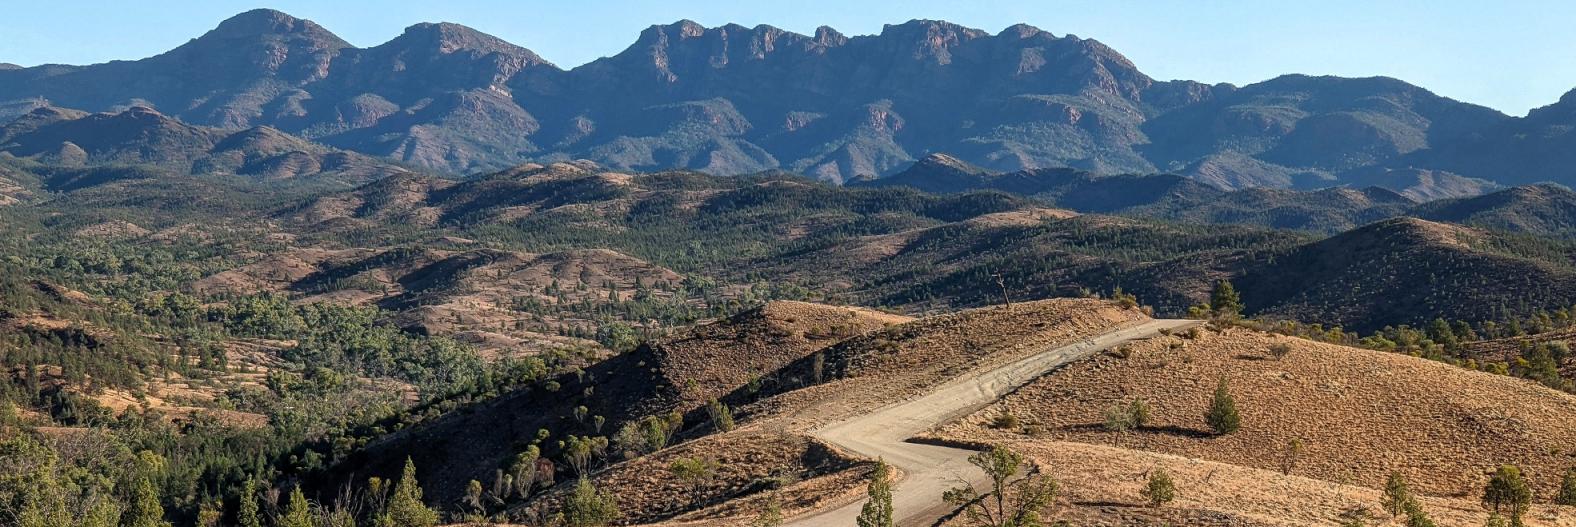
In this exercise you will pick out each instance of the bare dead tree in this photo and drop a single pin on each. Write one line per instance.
(1003, 283)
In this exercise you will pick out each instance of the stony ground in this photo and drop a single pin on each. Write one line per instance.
(1359, 414)
(1101, 487)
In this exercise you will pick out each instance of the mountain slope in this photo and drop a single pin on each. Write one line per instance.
(434, 88)
(1358, 415)
(1545, 210)
(1326, 124)
(1533, 149)
(1405, 270)
(1328, 211)
(1161, 196)
(1068, 188)
(142, 136)
(672, 374)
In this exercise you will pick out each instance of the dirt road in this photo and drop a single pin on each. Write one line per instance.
(930, 470)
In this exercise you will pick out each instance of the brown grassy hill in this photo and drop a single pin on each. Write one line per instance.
(651, 380)
(400, 198)
(719, 358)
(887, 365)
(73, 318)
(1407, 271)
(16, 186)
(1360, 413)
(423, 200)
(1509, 349)
(1420, 184)
(877, 365)
(1101, 485)
(498, 300)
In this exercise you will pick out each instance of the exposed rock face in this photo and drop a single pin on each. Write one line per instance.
(735, 99)
(1538, 148)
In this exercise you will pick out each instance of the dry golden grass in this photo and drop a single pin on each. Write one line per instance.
(1359, 413)
(1101, 484)
(872, 370)
(719, 358)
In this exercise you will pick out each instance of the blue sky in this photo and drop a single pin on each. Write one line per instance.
(1507, 55)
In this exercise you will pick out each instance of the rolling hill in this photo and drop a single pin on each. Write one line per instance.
(142, 136)
(1160, 196)
(1404, 269)
(1547, 210)
(1357, 414)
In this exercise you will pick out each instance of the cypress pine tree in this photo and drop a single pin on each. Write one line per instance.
(1439, 331)
(878, 511)
(247, 515)
(104, 513)
(1222, 415)
(145, 510)
(1160, 490)
(1508, 490)
(1225, 300)
(772, 516)
(1395, 494)
(297, 512)
(1415, 515)
(1566, 497)
(406, 508)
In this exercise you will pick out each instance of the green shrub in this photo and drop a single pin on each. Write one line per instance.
(1160, 490)
(1222, 415)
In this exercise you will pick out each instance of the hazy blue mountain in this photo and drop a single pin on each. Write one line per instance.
(735, 99)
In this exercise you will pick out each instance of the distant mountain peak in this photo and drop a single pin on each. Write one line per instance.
(1023, 31)
(269, 22)
(57, 112)
(945, 164)
(448, 37)
(140, 110)
(9, 66)
(826, 36)
(932, 39)
(690, 28)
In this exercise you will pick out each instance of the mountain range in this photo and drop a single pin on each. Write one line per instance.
(143, 136)
(732, 100)
(1542, 209)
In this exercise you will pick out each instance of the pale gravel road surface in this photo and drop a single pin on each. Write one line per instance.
(929, 470)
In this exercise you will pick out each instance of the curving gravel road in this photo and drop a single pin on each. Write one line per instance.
(929, 470)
